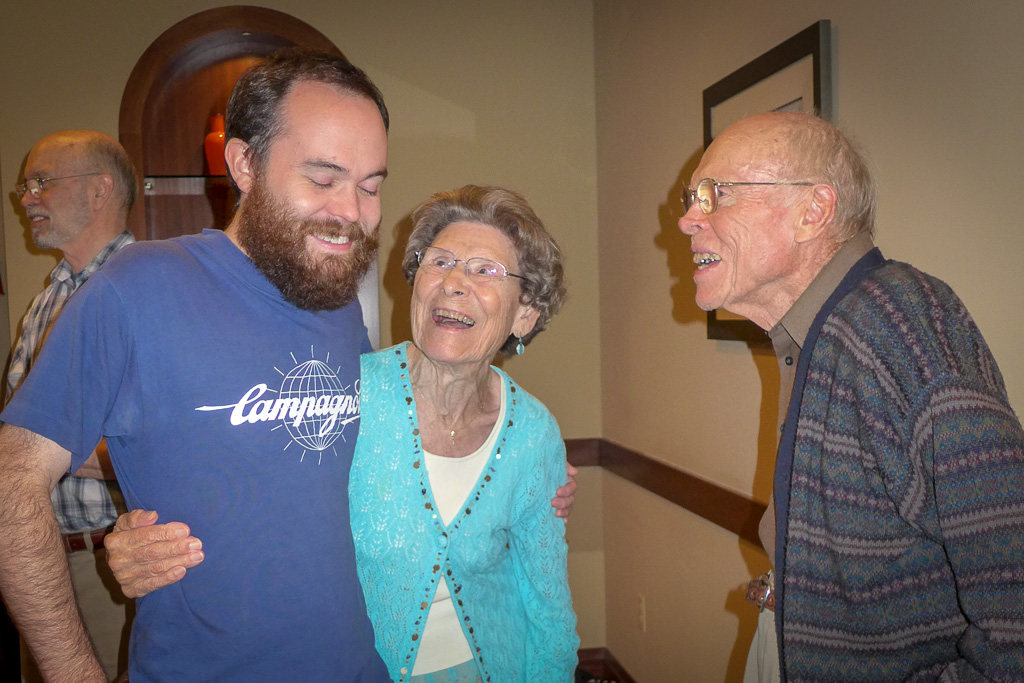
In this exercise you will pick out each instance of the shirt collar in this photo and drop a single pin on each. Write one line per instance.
(797, 320)
(63, 272)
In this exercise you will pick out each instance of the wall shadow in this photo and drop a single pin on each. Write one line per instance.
(768, 431)
(679, 258)
(676, 246)
(393, 282)
(747, 614)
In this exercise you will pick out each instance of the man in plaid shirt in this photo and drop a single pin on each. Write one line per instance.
(77, 191)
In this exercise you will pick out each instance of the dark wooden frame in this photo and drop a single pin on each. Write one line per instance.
(814, 41)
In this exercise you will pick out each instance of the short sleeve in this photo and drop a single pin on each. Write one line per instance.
(70, 395)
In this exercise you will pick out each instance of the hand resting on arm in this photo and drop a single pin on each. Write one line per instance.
(565, 496)
(145, 556)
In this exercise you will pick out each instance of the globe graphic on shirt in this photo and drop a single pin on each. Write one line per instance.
(313, 380)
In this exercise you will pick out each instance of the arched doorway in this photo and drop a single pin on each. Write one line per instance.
(183, 78)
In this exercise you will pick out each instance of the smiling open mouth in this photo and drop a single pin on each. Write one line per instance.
(452, 319)
(333, 239)
(705, 259)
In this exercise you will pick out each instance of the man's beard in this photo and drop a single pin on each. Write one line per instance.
(274, 238)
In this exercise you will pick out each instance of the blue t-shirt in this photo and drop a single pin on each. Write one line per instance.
(227, 408)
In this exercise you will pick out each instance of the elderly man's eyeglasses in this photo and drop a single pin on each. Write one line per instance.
(478, 269)
(706, 193)
(36, 186)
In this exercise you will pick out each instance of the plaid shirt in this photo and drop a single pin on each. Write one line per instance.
(81, 503)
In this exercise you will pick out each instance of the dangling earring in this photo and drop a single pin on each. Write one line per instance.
(519, 346)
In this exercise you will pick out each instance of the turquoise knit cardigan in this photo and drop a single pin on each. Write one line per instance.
(503, 556)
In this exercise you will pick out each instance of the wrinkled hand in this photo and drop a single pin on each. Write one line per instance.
(566, 495)
(145, 555)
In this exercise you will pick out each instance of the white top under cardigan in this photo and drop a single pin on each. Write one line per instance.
(452, 479)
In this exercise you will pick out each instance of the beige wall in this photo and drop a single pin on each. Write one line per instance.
(487, 92)
(934, 92)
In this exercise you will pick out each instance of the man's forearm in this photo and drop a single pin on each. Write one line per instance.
(34, 576)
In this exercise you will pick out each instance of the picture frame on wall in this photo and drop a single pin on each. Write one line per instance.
(795, 75)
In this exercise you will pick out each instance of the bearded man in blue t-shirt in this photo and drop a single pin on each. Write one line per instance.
(222, 369)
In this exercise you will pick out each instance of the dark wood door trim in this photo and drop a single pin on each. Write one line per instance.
(207, 37)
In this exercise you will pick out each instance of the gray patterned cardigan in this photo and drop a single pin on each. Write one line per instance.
(902, 537)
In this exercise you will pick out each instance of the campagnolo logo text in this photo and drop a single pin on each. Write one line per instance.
(312, 404)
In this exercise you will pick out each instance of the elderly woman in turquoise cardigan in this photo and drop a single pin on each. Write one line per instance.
(460, 555)
(461, 558)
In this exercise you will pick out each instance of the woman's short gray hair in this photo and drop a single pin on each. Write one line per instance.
(540, 259)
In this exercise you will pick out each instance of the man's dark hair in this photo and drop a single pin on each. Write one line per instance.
(254, 110)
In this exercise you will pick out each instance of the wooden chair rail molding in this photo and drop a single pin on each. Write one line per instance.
(727, 509)
(601, 664)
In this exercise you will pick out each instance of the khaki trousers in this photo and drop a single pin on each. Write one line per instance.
(763, 658)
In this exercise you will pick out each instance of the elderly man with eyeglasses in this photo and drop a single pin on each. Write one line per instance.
(897, 523)
(77, 191)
